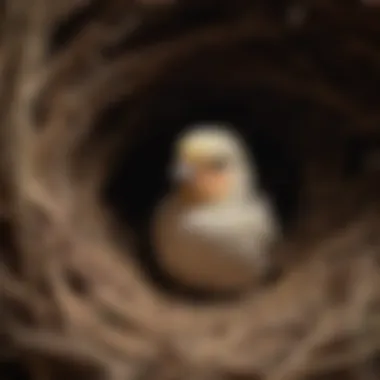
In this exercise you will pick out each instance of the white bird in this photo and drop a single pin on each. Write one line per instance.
(214, 229)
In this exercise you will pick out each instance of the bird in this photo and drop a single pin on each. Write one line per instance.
(214, 228)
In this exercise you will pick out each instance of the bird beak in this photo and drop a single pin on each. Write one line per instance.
(183, 172)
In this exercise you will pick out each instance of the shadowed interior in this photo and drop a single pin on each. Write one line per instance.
(272, 125)
(140, 178)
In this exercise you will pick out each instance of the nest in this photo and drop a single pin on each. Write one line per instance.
(93, 93)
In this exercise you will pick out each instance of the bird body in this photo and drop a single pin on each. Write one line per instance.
(215, 235)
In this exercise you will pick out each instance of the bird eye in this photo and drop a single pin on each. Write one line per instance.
(218, 164)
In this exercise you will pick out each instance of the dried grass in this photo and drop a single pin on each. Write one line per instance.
(321, 316)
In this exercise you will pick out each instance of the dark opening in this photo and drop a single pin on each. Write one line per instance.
(139, 179)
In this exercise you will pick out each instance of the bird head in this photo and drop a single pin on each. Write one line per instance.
(211, 165)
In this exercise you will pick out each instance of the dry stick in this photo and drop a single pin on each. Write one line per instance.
(105, 269)
(12, 45)
(136, 69)
(95, 36)
(20, 292)
(260, 28)
(104, 264)
(88, 327)
(369, 344)
(327, 329)
(61, 240)
(31, 57)
(56, 275)
(33, 24)
(69, 348)
(88, 323)
(70, 102)
(83, 50)
(365, 286)
(152, 59)
(336, 361)
(51, 238)
(140, 318)
(56, 146)
(322, 333)
(83, 317)
(54, 239)
(19, 53)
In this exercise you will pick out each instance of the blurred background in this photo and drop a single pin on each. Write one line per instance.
(93, 94)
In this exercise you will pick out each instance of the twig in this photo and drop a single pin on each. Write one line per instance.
(34, 21)
(298, 357)
(70, 348)
(337, 361)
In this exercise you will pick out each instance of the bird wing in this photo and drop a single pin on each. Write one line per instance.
(246, 230)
